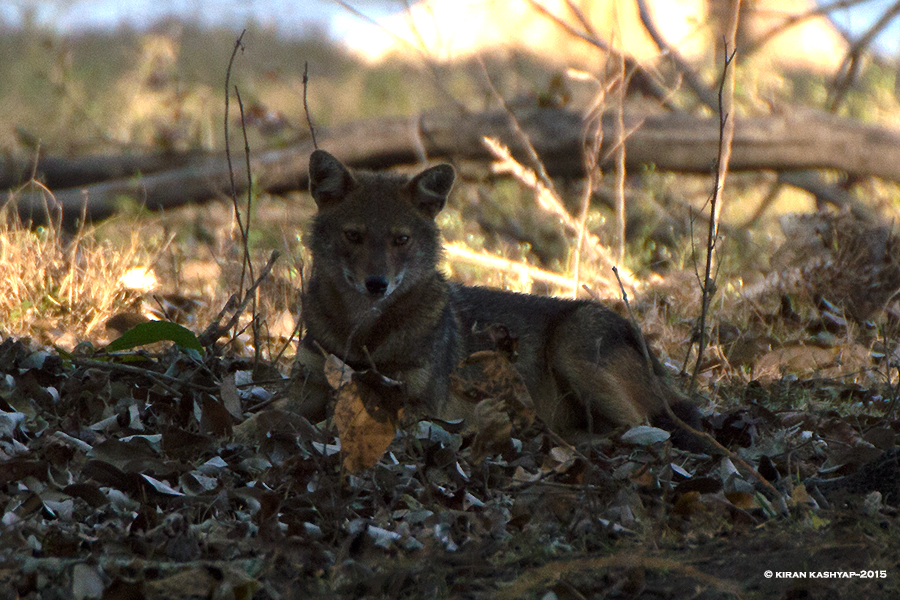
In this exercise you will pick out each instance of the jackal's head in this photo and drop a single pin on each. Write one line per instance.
(375, 232)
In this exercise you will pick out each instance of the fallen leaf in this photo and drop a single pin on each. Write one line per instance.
(644, 435)
(364, 438)
(337, 372)
(492, 427)
(742, 500)
(559, 460)
(688, 504)
(231, 399)
(86, 582)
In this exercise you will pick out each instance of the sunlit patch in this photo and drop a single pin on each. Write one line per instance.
(139, 279)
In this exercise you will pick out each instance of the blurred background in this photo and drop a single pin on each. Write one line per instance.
(299, 18)
(133, 79)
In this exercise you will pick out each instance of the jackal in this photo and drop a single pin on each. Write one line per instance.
(376, 297)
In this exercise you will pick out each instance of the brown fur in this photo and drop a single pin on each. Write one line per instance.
(376, 297)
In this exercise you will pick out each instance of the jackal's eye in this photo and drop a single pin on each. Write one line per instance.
(401, 240)
(353, 236)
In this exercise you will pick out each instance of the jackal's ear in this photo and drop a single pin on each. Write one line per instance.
(329, 180)
(431, 187)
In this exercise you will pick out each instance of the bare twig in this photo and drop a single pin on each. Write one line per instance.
(713, 442)
(545, 191)
(523, 138)
(726, 134)
(247, 262)
(585, 22)
(159, 378)
(461, 253)
(545, 195)
(245, 233)
(312, 130)
(634, 323)
(246, 259)
(591, 157)
(214, 331)
(710, 440)
(620, 165)
(549, 201)
(238, 44)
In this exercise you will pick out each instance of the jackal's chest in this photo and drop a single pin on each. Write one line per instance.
(389, 343)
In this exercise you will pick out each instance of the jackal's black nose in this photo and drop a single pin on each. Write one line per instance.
(377, 285)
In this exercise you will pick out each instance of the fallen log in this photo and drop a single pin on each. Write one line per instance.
(59, 172)
(669, 142)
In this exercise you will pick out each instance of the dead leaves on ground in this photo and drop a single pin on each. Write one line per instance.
(369, 406)
(137, 467)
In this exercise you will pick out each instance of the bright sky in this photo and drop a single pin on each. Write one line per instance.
(289, 17)
(294, 17)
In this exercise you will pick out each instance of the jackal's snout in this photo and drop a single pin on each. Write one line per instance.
(377, 285)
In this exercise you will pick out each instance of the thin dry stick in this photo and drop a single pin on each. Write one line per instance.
(237, 211)
(726, 134)
(620, 165)
(726, 110)
(701, 435)
(593, 132)
(533, 157)
(713, 442)
(634, 323)
(548, 201)
(214, 331)
(546, 197)
(160, 378)
(461, 253)
(590, 168)
(595, 120)
(312, 130)
(248, 262)
(545, 191)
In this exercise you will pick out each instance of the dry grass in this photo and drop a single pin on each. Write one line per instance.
(63, 288)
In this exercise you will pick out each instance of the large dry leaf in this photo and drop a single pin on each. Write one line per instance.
(366, 413)
(364, 438)
(492, 427)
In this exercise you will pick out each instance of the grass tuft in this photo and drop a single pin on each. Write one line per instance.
(61, 289)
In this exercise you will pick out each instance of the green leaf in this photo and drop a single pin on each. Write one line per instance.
(156, 331)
